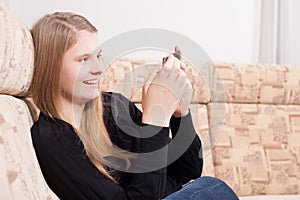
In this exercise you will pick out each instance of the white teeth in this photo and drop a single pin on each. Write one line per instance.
(91, 82)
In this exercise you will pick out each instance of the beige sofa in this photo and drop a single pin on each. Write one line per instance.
(248, 117)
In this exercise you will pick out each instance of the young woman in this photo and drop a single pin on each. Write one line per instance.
(80, 141)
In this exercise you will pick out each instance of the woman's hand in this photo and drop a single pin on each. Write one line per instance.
(183, 106)
(162, 93)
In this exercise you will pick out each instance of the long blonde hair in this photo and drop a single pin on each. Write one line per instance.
(53, 35)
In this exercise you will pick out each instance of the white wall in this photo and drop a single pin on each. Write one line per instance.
(294, 43)
(225, 29)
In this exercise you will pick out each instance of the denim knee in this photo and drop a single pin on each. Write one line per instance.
(206, 188)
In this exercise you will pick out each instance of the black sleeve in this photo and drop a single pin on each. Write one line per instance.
(148, 169)
(184, 158)
(186, 143)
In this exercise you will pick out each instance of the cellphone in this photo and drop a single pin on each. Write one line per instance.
(177, 54)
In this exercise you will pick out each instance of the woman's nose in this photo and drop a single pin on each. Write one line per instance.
(97, 66)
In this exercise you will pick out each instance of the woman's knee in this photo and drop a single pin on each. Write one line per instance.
(208, 181)
(215, 188)
(206, 187)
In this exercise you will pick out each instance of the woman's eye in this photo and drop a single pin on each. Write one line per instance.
(99, 56)
(83, 59)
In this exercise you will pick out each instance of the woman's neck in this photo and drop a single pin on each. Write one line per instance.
(71, 112)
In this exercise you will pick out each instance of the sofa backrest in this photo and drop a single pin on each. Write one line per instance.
(20, 174)
(256, 83)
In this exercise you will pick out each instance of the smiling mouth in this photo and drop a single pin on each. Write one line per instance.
(91, 82)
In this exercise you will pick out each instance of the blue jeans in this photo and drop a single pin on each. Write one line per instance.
(206, 188)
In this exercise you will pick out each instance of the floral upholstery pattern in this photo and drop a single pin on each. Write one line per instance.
(20, 174)
(255, 83)
(257, 150)
(16, 54)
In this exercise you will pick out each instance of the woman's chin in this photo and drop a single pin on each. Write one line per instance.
(93, 95)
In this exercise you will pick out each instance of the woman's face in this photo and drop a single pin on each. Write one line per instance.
(81, 68)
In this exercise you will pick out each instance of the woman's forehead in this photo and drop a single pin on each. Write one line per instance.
(86, 43)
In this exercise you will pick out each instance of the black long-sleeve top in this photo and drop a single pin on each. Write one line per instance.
(71, 175)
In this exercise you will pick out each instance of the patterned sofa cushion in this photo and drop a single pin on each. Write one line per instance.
(20, 174)
(16, 54)
(256, 83)
(257, 151)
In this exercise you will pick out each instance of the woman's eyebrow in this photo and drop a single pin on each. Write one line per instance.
(99, 52)
(82, 55)
(88, 54)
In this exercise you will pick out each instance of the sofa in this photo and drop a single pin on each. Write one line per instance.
(247, 116)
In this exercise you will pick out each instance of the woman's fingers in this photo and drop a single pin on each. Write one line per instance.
(183, 67)
(173, 75)
(174, 63)
(168, 62)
